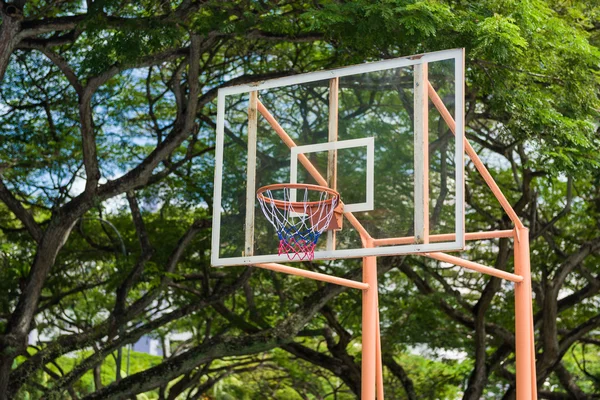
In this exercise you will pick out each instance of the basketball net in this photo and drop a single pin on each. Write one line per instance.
(299, 224)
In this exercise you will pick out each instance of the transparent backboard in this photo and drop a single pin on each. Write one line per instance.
(372, 131)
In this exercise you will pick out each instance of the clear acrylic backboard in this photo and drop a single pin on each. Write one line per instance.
(369, 131)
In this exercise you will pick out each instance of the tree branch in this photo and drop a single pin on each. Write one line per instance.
(571, 262)
(220, 347)
(63, 65)
(398, 371)
(20, 212)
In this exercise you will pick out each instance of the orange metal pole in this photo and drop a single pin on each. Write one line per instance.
(524, 352)
(378, 360)
(446, 237)
(533, 370)
(475, 266)
(525, 340)
(485, 174)
(369, 327)
(358, 226)
(313, 275)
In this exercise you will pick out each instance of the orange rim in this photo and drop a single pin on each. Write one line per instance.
(283, 204)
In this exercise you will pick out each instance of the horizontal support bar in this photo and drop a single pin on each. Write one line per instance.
(313, 275)
(475, 266)
(447, 237)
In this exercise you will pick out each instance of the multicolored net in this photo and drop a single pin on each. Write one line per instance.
(300, 213)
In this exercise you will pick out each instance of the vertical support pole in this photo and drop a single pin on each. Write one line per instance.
(525, 351)
(378, 360)
(332, 155)
(534, 395)
(369, 327)
(251, 174)
(421, 153)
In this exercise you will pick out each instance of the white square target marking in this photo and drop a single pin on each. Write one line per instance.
(345, 144)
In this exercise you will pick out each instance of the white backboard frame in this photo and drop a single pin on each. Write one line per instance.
(458, 244)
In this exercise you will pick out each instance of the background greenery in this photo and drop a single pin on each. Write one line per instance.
(107, 117)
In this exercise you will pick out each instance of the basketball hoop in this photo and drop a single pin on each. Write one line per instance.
(299, 224)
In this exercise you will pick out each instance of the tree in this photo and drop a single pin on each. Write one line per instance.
(112, 103)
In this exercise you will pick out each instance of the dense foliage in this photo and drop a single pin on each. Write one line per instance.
(106, 141)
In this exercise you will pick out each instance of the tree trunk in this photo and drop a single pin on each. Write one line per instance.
(11, 24)
(14, 341)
